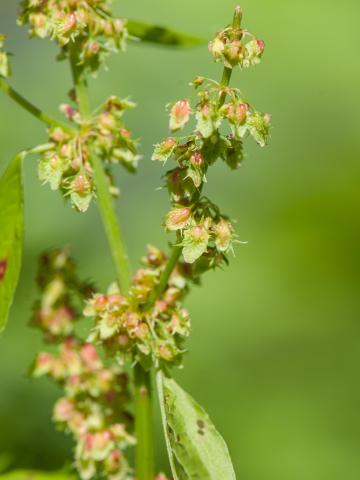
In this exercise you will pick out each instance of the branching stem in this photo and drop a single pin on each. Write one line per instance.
(29, 107)
(176, 250)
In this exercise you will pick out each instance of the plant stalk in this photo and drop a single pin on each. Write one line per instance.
(29, 107)
(142, 379)
(144, 424)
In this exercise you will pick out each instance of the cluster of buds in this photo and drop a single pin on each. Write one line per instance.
(5, 70)
(62, 294)
(132, 327)
(89, 23)
(66, 164)
(207, 235)
(236, 46)
(94, 406)
(223, 121)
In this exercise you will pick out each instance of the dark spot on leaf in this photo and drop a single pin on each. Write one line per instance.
(201, 425)
(3, 268)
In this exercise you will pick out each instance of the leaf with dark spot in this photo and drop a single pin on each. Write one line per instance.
(11, 234)
(196, 449)
(161, 35)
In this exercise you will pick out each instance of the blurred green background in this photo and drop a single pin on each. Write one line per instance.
(275, 350)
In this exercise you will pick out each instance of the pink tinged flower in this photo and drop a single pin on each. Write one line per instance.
(88, 440)
(216, 48)
(223, 235)
(81, 184)
(90, 357)
(68, 111)
(142, 331)
(124, 132)
(198, 233)
(179, 115)
(100, 303)
(178, 218)
(70, 22)
(43, 364)
(261, 46)
(64, 410)
(164, 352)
(113, 461)
(197, 160)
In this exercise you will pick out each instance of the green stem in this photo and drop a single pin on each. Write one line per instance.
(105, 202)
(29, 107)
(164, 277)
(143, 424)
(142, 379)
(111, 225)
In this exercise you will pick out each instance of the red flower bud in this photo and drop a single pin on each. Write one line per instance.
(197, 160)
(261, 45)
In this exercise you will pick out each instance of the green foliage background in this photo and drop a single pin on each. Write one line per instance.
(275, 351)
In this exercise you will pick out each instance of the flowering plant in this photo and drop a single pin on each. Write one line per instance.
(140, 322)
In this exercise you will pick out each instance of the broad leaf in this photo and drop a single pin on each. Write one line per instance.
(36, 475)
(196, 450)
(161, 35)
(11, 234)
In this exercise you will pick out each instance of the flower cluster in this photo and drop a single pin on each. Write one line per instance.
(89, 23)
(133, 327)
(93, 408)
(66, 164)
(236, 46)
(5, 70)
(223, 120)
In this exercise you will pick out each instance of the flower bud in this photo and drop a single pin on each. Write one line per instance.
(261, 46)
(197, 160)
(64, 410)
(223, 234)
(80, 184)
(67, 110)
(164, 150)
(197, 82)
(216, 48)
(179, 115)
(70, 22)
(165, 352)
(178, 218)
(90, 357)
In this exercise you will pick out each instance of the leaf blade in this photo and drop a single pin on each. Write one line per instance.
(12, 227)
(161, 35)
(196, 450)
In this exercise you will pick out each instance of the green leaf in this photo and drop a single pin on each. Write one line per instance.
(12, 226)
(36, 475)
(196, 450)
(161, 35)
